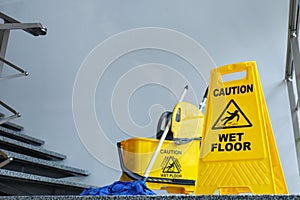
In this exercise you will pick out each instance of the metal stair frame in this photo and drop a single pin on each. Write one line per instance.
(9, 24)
(292, 72)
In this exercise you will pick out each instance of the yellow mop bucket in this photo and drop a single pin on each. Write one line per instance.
(176, 165)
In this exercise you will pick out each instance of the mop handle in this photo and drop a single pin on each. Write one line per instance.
(203, 102)
(146, 174)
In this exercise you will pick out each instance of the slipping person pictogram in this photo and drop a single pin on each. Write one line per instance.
(171, 165)
(231, 117)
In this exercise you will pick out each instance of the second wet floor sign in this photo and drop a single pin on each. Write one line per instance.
(238, 152)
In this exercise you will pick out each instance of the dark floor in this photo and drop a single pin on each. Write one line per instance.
(160, 197)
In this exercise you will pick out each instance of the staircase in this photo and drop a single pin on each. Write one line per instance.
(26, 168)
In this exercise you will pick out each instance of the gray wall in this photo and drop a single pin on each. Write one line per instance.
(230, 31)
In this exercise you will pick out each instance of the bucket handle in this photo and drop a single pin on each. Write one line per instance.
(129, 173)
(180, 141)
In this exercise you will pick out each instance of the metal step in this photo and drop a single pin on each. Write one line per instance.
(31, 165)
(20, 184)
(20, 137)
(30, 150)
(12, 126)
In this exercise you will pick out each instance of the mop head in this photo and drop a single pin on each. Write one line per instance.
(120, 188)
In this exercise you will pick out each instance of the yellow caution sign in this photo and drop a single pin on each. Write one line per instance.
(238, 152)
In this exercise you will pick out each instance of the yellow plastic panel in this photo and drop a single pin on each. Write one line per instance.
(187, 121)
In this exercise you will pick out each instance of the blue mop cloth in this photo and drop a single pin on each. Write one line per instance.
(120, 188)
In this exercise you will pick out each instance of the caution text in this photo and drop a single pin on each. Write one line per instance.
(233, 90)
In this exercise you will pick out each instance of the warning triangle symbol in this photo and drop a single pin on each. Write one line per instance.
(172, 165)
(232, 117)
